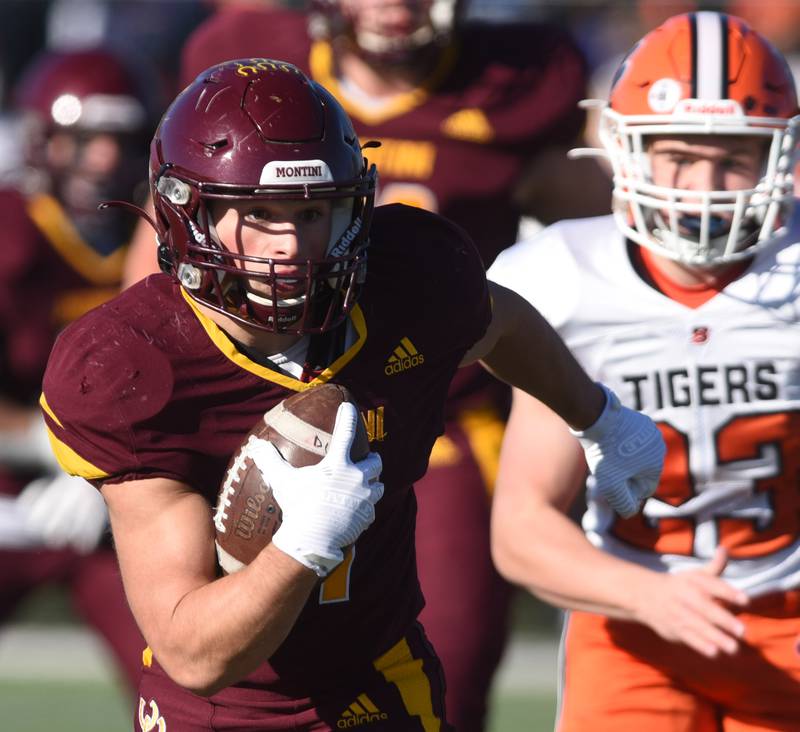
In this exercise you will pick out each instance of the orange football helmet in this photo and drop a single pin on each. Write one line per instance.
(703, 73)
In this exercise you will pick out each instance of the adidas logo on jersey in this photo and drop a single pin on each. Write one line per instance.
(361, 711)
(404, 357)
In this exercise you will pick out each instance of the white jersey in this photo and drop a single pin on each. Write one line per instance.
(721, 380)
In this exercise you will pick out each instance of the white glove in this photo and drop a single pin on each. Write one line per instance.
(64, 511)
(325, 506)
(625, 453)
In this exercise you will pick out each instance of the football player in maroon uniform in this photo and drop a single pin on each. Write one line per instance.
(84, 121)
(474, 123)
(279, 276)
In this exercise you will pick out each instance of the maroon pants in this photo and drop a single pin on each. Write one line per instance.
(94, 585)
(466, 600)
(402, 691)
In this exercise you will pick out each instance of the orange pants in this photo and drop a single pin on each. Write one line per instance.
(622, 677)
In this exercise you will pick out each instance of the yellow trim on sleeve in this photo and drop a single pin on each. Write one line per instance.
(50, 413)
(73, 463)
(226, 347)
(320, 62)
(400, 668)
(59, 231)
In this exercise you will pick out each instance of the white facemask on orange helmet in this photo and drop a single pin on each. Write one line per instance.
(702, 73)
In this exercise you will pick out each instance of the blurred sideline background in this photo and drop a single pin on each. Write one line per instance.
(53, 673)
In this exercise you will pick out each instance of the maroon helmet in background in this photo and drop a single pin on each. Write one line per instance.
(86, 122)
(255, 129)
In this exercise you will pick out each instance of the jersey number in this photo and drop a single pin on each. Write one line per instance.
(767, 447)
(336, 587)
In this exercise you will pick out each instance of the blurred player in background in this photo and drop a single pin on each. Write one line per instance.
(281, 275)
(84, 123)
(474, 123)
(686, 617)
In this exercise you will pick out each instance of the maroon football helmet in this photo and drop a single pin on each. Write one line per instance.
(86, 123)
(260, 129)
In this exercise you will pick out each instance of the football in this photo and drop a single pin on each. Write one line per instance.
(300, 427)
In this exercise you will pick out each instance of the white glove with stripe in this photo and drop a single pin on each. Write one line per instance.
(625, 454)
(325, 506)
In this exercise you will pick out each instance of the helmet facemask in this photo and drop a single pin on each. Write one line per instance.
(699, 228)
(250, 289)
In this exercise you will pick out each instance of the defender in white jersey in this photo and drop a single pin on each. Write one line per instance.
(686, 302)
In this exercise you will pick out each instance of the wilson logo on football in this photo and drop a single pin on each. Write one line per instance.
(361, 711)
(404, 357)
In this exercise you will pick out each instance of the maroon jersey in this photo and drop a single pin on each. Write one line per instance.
(145, 386)
(48, 276)
(456, 144)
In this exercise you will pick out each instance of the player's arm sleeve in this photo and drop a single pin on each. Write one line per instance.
(463, 296)
(102, 382)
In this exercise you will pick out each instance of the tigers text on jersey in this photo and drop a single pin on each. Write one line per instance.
(146, 386)
(721, 380)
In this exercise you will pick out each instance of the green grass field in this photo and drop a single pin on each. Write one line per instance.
(59, 686)
(100, 707)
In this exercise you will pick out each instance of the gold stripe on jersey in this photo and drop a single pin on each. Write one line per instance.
(471, 125)
(484, 430)
(147, 657)
(59, 231)
(67, 458)
(406, 160)
(226, 347)
(336, 587)
(320, 62)
(400, 668)
(445, 452)
(73, 463)
(72, 304)
(48, 411)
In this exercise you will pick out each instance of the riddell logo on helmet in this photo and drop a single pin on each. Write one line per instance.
(347, 238)
(296, 171)
(722, 107)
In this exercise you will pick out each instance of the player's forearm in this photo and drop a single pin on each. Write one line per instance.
(222, 631)
(545, 552)
(530, 355)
